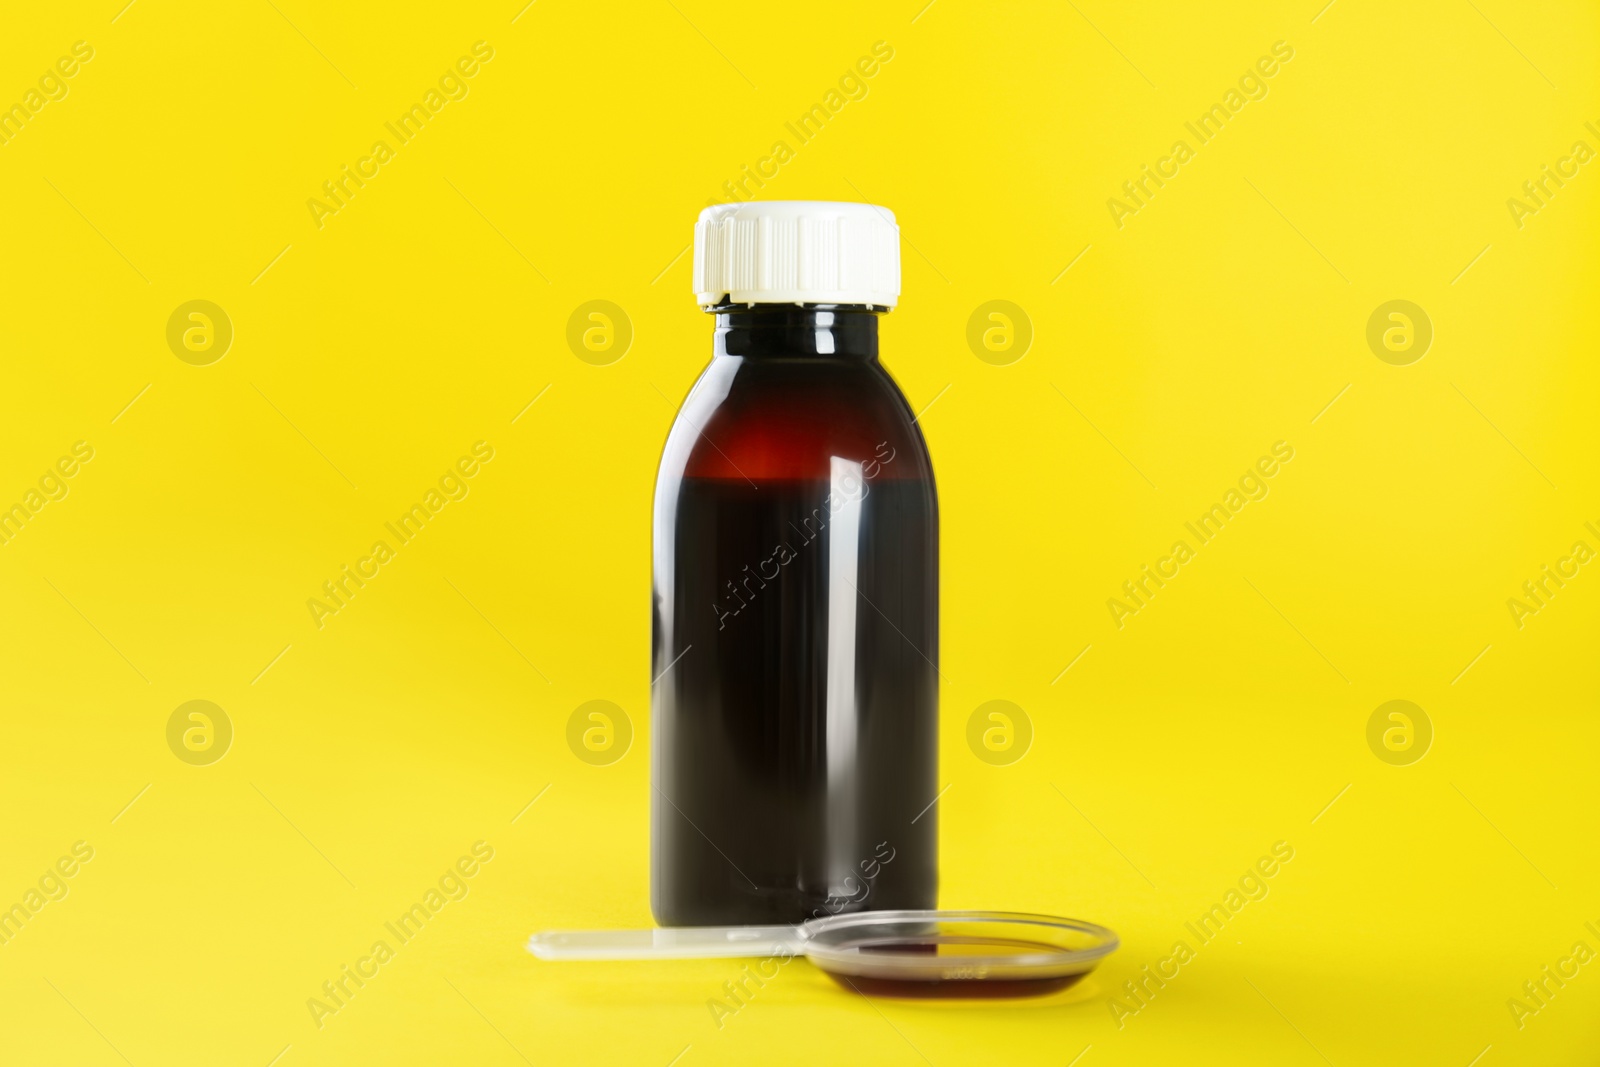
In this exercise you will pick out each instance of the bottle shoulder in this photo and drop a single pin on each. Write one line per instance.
(790, 418)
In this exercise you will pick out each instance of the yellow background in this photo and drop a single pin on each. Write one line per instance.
(432, 308)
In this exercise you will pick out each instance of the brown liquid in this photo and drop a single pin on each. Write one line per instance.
(748, 828)
(957, 981)
(958, 988)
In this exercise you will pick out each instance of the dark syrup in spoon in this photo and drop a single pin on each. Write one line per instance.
(966, 975)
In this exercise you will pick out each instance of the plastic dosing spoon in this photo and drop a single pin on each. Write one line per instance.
(904, 953)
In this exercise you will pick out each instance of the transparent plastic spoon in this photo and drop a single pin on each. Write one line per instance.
(905, 953)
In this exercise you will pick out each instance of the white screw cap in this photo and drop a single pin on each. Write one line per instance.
(797, 252)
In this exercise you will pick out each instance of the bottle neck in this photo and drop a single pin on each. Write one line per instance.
(792, 331)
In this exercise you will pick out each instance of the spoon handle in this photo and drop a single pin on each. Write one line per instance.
(666, 943)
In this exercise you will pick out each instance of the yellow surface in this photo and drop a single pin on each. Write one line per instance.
(375, 344)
